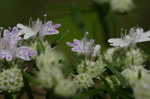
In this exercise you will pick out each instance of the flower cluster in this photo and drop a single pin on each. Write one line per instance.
(134, 72)
(87, 71)
(118, 67)
(50, 72)
(15, 46)
(120, 6)
(140, 85)
(134, 57)
(10, 47)
(11, 80)
(136, 35)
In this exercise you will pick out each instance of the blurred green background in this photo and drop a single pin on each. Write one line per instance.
(76, 17)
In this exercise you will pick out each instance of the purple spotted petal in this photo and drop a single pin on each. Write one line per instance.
(13, 32)
(25, 53)
(49, 29)
(9, 47)
(5, 55)
(75, 43)
(76, 50)
(71, 44)
(12, 35)
(57, 25)
(85, 47)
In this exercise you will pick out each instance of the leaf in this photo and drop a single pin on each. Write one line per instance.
(116, 72)
(40, 47)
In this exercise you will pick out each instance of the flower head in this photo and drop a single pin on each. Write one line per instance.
(11, 80)
(50, 67)
(141, 86)
(85, 47)
(30, 31)
(25, 53)
(121, 5)
(9, 47)
(136, 35)
(47, 28)
(69, 89)
(83, 81)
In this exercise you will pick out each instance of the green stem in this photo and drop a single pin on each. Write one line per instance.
(47, 96)
(14, 96)
(28, 88)
(10, 96)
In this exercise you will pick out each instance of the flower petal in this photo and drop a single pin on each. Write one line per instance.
(25, 53)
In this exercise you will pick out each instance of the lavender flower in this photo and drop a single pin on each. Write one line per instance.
(85, 47)
(44, 29)
(12, 35)
(9, 46)
(135, 36)
(25, 53)
(49, 29)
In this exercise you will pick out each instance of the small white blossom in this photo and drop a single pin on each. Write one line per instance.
(121, 6)
(65, 88)
(136, 35)
(28, 31)
(134, 57)
(46, 28)
(83, 81)
(140, 85)
(11, 80)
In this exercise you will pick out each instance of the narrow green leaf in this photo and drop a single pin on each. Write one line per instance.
(40, 47)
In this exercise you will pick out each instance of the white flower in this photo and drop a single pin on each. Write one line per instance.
(94, 69)
(50, 68)
(121, 5)
(109, 54)
(65, 88)
(136, 35)
(140, 85)
(46, 28)
(30, 31)
(83, 81)
(11, 80)
(134, 57)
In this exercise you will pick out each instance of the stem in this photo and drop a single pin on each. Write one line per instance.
(14, 96)
(28, 88)
(49, 94)
(10, 96)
